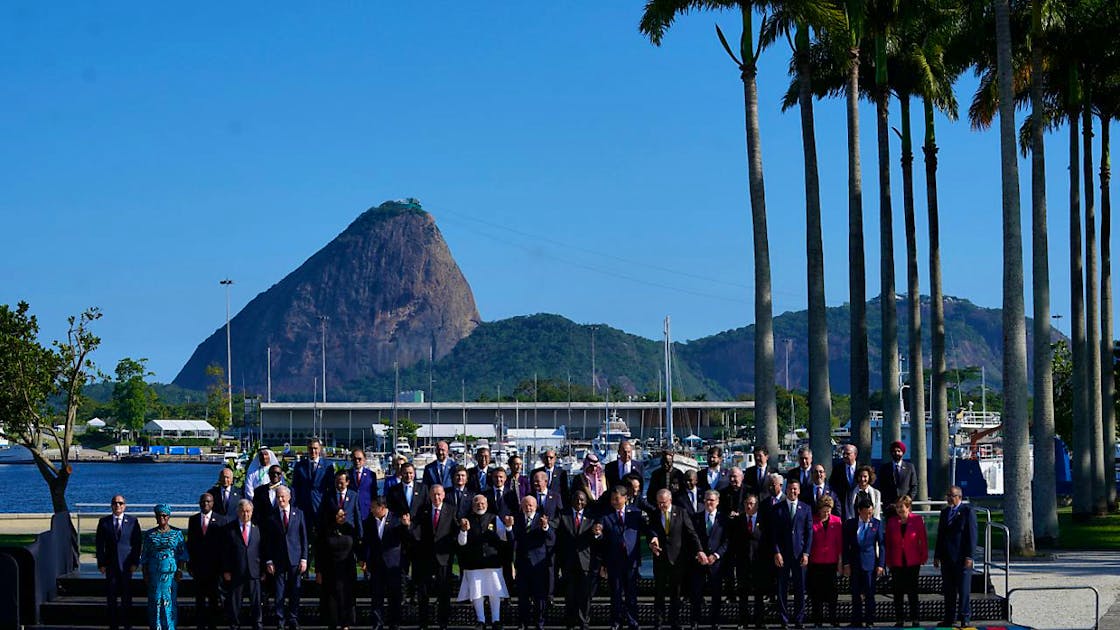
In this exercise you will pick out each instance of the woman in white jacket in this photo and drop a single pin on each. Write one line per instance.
(865, 476)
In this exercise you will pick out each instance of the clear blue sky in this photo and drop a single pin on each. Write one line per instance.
(151, 150)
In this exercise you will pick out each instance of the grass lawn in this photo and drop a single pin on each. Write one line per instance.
(1102, 532)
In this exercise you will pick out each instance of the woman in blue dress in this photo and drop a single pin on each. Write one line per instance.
(162, 558)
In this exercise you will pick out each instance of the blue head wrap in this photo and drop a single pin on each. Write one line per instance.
(163, 508)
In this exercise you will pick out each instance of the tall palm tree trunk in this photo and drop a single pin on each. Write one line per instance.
(1082, 432)
(939, 404)
(1092, 314)
(857, 271)
(918, 448)
(1043, 491)
(1108, 385)
(892, 412)
(765, 406)
(1016, 446)
(820, 395)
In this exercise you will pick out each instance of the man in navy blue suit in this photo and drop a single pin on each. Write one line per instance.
(674, 544)
(225, 496)
(362, 481)
(242, 566)
(556, 477)
(713, 477)
(956, 540)
(533, 541)
(548, 499)
(118, 554)
(438, 473)
(818, 488)
(864, 559)
(623, 466)
(435, 531)
(459, 494)
(345, 499)
(287, 557)
(619, 534)
(791, 532)
(383, 560)
(711, 527)
(312, 479)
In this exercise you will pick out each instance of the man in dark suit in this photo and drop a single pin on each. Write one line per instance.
(458, 494)
(665, 477)
(803, 472)
(205, 545)
(755, 478)
(287, 557)
(408, 496)
(438, 473)
(895, 479)
(817, 488)
(362, 481)
(225, 497)
(499, 500)
(674, 543)
(264, 496)
(478, 478)
(713, 477)
(313, 478)
(843, 477)
(618, 535)
(117, 545)
(242, 566)
(435, 530)
(690, 498)
(791, 533)
(956, 540)
(548, 499)
(575, 542)
(383, 558)
(708, 571)
(556, 477)
(622, 466)
(731, 497)
(517, 480)
(345, 499)
(864, 559)
(533, 540)
(772, 496)
(754, 563)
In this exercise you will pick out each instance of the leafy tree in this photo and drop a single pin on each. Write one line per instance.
(31, 375)
(217, 397)
(133, 397)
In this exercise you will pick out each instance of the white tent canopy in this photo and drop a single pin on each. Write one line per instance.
(181, 428)
(96, 423)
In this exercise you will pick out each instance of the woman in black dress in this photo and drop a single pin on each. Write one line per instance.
(335, 563)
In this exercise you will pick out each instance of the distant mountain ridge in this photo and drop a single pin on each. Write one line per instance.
(511, 351)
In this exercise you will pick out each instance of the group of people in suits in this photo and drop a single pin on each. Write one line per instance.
(715, 534)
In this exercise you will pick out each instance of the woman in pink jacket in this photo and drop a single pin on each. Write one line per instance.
(907, 551)
(824, 560)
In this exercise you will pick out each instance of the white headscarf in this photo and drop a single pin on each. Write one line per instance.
(258, 473)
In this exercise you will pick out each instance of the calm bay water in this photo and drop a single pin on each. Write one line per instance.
(22, 488)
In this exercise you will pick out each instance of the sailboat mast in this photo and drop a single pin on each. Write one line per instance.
(668, 387)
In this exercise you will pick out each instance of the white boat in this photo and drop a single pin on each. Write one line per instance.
(606, 442)
(403, 447)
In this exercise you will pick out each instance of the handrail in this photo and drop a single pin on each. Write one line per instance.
(988, 556)
(1096, 600)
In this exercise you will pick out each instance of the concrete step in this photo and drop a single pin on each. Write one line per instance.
(91, 610)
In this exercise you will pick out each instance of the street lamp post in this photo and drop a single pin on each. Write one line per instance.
(323, 353)
(227, 283)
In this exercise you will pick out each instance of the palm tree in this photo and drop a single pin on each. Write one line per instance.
(1092, 315)
(860, 379)
(883, 15)
(800, 18)
(657, 17)
(1108, 109)
(1017, 474)
(1043, 492)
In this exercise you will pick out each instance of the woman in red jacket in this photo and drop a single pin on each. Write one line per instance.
(824, 559)
(907, 550)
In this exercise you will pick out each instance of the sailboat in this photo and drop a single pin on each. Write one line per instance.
(685, 459)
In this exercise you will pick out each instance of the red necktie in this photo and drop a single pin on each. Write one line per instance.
(435, 518)
(285, 520)
(578, 521)
(245, 534)
(204, 522)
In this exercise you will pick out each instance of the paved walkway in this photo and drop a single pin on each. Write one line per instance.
(1064, 608)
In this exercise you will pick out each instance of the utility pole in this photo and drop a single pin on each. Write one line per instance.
(431, 395)
(227, 283)
(323, 351)
(594, 387)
